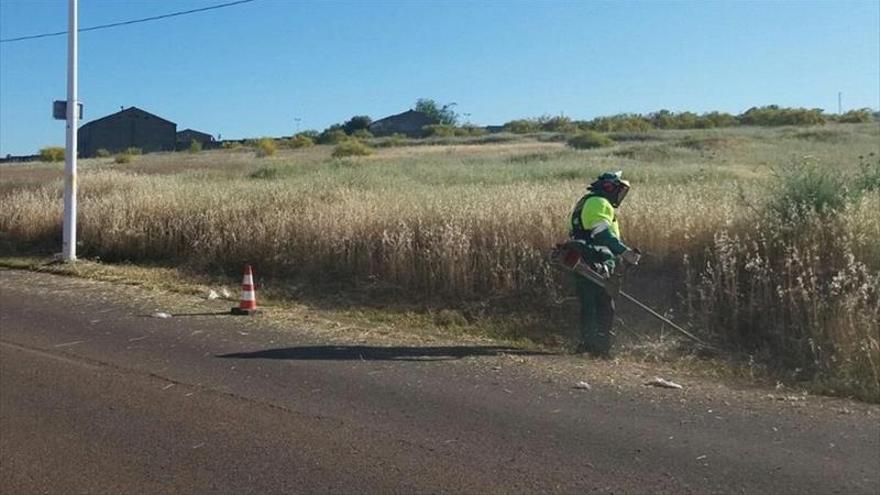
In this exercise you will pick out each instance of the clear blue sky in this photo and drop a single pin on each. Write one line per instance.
(250, 70)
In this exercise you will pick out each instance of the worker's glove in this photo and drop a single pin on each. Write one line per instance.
(631, 256)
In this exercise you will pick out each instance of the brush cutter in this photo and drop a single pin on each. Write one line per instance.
(568, 257)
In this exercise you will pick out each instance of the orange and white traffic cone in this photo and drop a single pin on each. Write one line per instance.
(248, 303)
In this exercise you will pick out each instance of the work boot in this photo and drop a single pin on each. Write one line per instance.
(582, 348)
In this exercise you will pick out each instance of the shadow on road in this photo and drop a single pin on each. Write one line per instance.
(379, 353)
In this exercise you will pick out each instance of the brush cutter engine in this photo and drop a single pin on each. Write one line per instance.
(569, 256)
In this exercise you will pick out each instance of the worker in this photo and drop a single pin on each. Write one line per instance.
(594, 221)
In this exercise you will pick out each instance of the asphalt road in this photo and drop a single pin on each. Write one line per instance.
(97, 397)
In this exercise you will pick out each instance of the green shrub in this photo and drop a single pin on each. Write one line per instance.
(266, 147)
(333, 135)
(102, 153)
(868, 176)
(589, 140)
(859, 116)
(804, 188)
(718, 119)
(522, 126)
(773, 115)
(123, 158)
(352, 147)
(557, 124)
(362, 134)
(52, 154)
(617, 123)
(195, 146)
(439, 130)
(133, 151)
(231, 145)
(300, 141)
(393, 140)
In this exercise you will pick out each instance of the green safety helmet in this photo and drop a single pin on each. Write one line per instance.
(611, 186)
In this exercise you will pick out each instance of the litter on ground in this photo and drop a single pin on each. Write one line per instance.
(663, 383)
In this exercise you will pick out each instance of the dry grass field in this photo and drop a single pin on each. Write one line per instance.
(765, 241)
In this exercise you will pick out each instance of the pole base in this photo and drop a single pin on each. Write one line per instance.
(244, 312)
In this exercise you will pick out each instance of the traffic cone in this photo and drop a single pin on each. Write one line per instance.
(248, 303)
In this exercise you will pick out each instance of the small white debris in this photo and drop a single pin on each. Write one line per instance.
(212, 294)
(662, 382)
(160, 314)
(225, 293)
(583, 386)
(786, 398)
(700, 458)
(68, 344)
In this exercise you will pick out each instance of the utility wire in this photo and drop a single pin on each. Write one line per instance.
(125, 23)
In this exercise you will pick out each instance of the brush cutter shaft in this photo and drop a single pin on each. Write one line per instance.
(568, 260)
(660, 317)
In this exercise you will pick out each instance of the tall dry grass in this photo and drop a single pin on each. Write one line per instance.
(802, 297)
(454, 222)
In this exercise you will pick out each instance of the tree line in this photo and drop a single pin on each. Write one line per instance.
(766, 116)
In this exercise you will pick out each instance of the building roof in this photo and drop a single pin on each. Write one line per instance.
(125, 111)
(405, 115)
(193, 131)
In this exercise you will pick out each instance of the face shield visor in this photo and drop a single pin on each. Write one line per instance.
(622, 190)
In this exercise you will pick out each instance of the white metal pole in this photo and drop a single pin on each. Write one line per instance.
(68, 250)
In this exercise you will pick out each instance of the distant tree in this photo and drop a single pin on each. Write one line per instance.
(522, 126)
(443, 115)
(356, 123)
(52, 154)
(332, 135)
(663, 119)
(266, 147)
(558, 123)
(719, 119)
(855, 116)
(300, 141)
(773, 115)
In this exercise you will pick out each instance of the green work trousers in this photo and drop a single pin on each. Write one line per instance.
(597, 318)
